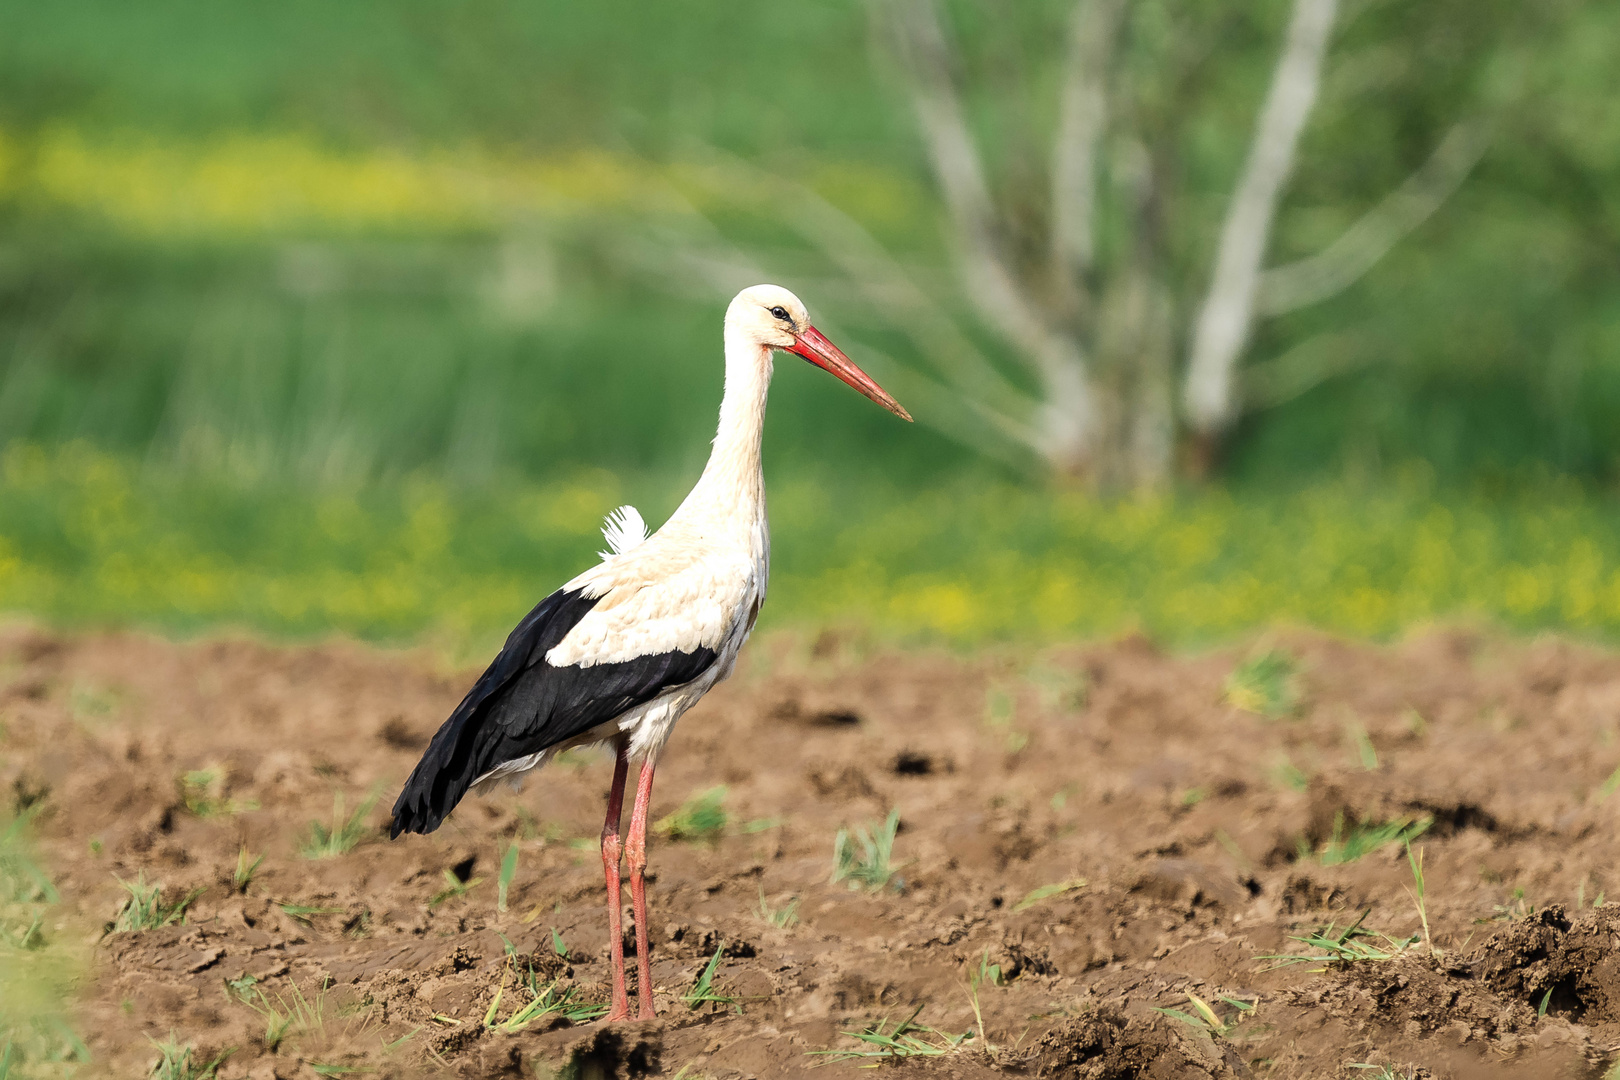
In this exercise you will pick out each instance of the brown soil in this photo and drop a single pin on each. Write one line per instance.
(1115, 764)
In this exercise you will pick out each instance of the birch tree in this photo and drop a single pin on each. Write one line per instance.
(1102, 338)
(1098, 349)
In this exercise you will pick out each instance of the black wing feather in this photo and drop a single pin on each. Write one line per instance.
(522, 705)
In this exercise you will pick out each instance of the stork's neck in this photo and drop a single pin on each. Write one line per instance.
(733, 483)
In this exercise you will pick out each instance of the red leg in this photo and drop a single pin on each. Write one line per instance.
(620, 1009)
(636, 856)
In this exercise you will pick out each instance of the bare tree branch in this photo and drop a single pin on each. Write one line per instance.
(1082, 119)
(1227, 316)
(961, 417)
(989, 283)
(1363, 244)
(1304, 367)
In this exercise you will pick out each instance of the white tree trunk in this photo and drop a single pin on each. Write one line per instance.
(1227, 316)
(1082, 120)
(1067, 418)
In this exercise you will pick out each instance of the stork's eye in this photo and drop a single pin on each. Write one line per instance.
(781, 313)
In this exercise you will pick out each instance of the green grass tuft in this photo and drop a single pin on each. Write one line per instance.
(202, 791)
(551, 1001)
(907, 1039)
(509, 865)
(783, 918)
(144, 908)
(1286, 774)
(323, 842)
(286, 1015)
(1046, 892)
(1361, 743)
(1609, 786)
(453, 887)
(1418, 891)
(247, 864)
(1348, 845)
(1267, 684)
(1387, 1072)
(1205, 1019)
(177, 1062)
(702, 991)
(304, 912)
(1352, 945)
(872, 866)
(702, 817)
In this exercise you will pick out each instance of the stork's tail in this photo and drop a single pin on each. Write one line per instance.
(429, 796)
(439, 781)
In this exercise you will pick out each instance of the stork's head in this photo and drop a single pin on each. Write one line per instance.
(772, 317)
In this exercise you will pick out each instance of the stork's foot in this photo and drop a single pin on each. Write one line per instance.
(624, 1014)
(617, 1016)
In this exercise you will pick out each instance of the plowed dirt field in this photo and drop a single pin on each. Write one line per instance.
(1092, 835)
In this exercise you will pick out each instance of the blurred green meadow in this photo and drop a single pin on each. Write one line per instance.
(357, 321)
(90, 539)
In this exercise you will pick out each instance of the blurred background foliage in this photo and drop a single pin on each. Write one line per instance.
(359, 317)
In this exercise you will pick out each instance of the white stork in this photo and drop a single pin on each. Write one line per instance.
(622, 650)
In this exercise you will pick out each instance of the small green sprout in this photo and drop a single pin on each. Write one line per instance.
(702, 817)
(303, 912)
(509, 866)
(1204, 1017)
(1361, 743)
(1385, 1072)
(872, 867)
(1520, 908)
(1288, 775)
(1351, 945)
(1267, 685)
(453, 887)
(202, 791)
(144, 909)
(703, 991)
(175, 1062)
(907, 1039)
(1000, 712)
(986, 973)
(242, 989)
(343, 835)
(548, 1002)
(783, 917)
(286, 1016)
(1417, 893)
(1348, 845)
(1046, 892)
(1609, 786)
(247, 864)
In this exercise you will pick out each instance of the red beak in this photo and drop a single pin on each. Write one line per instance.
(814, 347)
